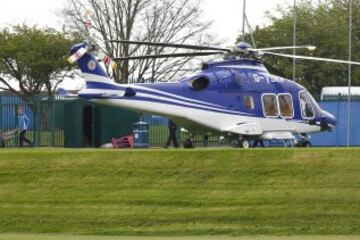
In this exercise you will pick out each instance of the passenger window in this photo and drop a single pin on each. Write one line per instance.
(307, 110)
(286, 106)
(249, 102)
(270, 106)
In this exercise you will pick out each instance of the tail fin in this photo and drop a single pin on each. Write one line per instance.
(94, 73)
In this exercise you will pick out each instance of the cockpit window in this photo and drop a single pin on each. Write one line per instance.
(286, 105)
(270, 105)
(307, 110)
(314, 103)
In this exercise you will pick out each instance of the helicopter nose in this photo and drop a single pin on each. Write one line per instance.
(328, 121)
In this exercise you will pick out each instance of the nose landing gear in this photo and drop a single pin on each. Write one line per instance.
(304, 141)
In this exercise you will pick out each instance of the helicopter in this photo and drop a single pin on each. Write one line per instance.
(237, 97)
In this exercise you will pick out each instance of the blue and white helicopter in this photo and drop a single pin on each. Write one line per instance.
(236, 97)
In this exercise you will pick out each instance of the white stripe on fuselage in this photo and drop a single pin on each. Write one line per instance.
(118, 94)
(101, 79)
(97, 78)
(156, 97)
(213, 120)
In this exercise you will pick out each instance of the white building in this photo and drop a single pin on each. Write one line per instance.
(332, 93)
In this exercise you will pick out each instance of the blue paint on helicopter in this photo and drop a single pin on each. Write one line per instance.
(88, 63)
(243, 45)
(228, 82)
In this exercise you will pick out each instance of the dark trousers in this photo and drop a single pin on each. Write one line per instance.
(172, 138)
(255, 144)
(23, 139)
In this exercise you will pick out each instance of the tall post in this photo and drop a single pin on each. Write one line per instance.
(349, 76)
(294, 40)
(53, 116)
(244, 21)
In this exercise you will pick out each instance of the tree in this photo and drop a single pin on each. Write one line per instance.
(176, 21)
(323, 24)
(34, 59)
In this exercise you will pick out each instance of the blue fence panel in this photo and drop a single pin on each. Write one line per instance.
(8, 118)
(338, 137)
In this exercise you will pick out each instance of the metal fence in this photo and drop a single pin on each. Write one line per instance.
(46, 119)
(47, 123)
(158, 134)
(336, 105)
(338, 137)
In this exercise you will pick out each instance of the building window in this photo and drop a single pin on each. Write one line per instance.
(307, 110)
(249, 102)
(286, 106)
(270, 106)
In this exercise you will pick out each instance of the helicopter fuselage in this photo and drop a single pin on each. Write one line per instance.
(228, 97)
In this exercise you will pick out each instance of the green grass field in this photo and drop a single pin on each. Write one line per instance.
(254, 237)
(225, 192)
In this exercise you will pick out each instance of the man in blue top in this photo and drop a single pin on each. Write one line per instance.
(23, 125)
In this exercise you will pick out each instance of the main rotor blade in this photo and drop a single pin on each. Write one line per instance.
(308, 47)
(312, 58)
(172, 45)
(172, 55)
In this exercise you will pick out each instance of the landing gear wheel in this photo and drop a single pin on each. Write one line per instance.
(304, 144)
(244, 144)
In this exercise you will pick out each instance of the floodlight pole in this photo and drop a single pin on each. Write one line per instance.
(250, 32)
(244, 21)
(349, 76)
(294, 41)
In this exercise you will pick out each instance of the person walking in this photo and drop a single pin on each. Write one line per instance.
(172, 134)
(256, 142)
(23, 125)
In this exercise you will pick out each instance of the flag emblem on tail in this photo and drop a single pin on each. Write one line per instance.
(77, 55)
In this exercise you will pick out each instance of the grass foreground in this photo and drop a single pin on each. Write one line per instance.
(252, 237)
(223, 192)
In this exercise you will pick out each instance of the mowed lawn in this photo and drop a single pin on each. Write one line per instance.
(225, 192)
(252, 237)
